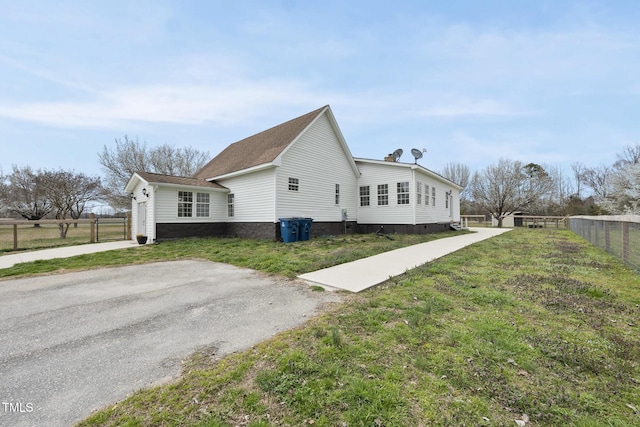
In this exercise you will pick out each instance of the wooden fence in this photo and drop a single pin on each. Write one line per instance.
(25, 234)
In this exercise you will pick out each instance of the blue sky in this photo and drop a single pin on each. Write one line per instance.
(551, 82)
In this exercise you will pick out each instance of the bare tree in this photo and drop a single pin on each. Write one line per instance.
(508, 187)
(460, 174)
(129, 156)
(579, 171)
(599, 180)
(22, 192)
(68, 193)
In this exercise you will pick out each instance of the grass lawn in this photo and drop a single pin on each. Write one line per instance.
(288, 260)
(531, 325)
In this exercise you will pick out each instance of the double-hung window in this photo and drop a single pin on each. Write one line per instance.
(383, 194)
(426, 195)
(230, 204)
(403, 193)
(364, 195)
(202, 204)
(418, 193)
(433, 196)
(337, 194)
(185, 204)
(294, 184)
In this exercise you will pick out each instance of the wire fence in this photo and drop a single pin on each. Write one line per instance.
(619, 235)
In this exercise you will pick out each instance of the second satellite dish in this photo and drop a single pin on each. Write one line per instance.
(417, 153)
(396, 154)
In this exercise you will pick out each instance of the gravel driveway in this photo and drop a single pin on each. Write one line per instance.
(73, 343)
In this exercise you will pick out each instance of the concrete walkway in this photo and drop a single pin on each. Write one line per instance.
(367, 272)
(7, 261)
(352, 276)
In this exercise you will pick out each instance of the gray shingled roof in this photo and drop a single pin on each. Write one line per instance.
(258, 149)
(179, 180)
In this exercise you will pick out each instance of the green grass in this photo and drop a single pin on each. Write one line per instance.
(287, 260)
(535, 322)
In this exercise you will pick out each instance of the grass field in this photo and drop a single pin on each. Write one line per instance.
(48, 235)
(534, 325)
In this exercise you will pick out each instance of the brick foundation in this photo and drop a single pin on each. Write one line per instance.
(271, 231)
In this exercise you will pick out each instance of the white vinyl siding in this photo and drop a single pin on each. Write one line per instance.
(166, 199)
(374, 175)
(319, 160)
(254, 196)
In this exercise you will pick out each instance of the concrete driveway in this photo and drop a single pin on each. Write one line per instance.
(73, 343)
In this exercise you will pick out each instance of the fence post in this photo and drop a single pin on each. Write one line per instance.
(92, 217)
(15, 237)
(625, 242)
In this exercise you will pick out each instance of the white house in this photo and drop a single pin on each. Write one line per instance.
(300, 168)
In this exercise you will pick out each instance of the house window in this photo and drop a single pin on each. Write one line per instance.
(383, 194)
(294, 184)
(418, 193)
(446, 201)
(337, 194)
(433, 196)
(426, 195)
(185, 204)
(230, 204)
(364, 195)
(403, 193)
(202, 204)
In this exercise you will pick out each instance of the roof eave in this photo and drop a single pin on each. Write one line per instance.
(252, 169)
(190, 187)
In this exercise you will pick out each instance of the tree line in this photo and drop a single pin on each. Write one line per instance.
(510, 186)
(63, 194)
(500, 189)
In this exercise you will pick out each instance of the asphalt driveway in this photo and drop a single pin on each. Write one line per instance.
(72, 343)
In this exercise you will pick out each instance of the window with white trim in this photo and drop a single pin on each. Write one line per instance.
(230, 204)
(426, 195)
(294, 184)
(418, 193)
(185, 204)
(403, 192)
(364, 195)
(337, 194)
(433, 196)
(383, 194)
(202, 204)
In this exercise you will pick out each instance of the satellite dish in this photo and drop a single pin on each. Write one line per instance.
(396, 154)
(417, 153)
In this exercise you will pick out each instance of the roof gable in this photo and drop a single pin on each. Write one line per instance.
(261, 148)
